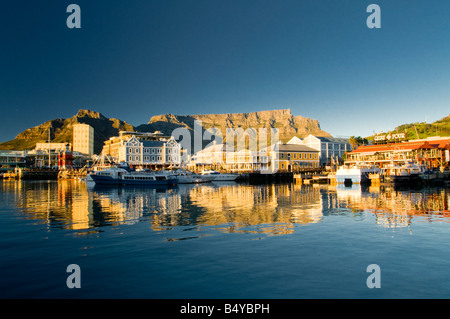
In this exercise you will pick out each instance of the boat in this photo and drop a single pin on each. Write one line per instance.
(407, 172)
(188, 177)
(218, 177)
(120, 176)
(429, 175)
(356, 174)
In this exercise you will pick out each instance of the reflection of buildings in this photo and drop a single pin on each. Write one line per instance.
(62, 204)
(397, 208)
(265, 208)
(269, 209)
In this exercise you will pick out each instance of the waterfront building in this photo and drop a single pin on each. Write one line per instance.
(56, 147)
(293, 157)
(278, 157)
(225, 157)
(113, 144)
(12, 159)
(83, 139)
(154, 154)
(330, 148)
(432, 152)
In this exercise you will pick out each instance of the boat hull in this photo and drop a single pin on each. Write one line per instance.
(104, 180)
(138, 180)
(354, 175)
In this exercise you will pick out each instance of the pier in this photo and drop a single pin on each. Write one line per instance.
(31, 174)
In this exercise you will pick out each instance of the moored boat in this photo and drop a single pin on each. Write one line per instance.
(405, 173)
(188, 177)
(217, 177)
(120, 176)
(355, 174)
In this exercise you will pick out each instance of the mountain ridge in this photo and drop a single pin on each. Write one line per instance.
(61, 130)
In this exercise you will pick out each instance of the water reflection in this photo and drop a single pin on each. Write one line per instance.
(397, 207)
(232, 208)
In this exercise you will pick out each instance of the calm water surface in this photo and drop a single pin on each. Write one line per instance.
(223, 240)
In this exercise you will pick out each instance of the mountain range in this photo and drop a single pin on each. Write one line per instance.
(61, 130)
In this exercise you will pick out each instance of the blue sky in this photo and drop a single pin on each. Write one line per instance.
(134, 59)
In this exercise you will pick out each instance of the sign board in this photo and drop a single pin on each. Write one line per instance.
(389, 137)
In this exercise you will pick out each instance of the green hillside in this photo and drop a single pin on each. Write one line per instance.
(424, 130)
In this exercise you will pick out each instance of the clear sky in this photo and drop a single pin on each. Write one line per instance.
(134, 59)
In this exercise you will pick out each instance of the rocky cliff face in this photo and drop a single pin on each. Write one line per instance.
(61, 130)
(287, 124)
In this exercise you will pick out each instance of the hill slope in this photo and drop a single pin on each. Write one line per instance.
(61, 130)
(424, 130)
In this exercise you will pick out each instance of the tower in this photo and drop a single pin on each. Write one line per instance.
(83, 139)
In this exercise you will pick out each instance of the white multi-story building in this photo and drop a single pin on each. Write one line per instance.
(83, 139)
(52, 146)
(330, 148)
(162, 153)
(226, 158)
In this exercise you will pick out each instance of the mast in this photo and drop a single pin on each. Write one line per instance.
(49, 151)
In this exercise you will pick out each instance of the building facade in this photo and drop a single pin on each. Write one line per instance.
(150, 154)
(52, 146)
(433, 152)
(83, 139)
(331, 149)
(278, 157)
(112, 146)
(293, 158)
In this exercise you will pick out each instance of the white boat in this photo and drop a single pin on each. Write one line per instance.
(407, 172)
(188, 177)
(120, 176)
(356, 174)
(217, 177)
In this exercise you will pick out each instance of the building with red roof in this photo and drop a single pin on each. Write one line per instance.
(433, 152)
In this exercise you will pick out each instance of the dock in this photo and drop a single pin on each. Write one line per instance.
(31, 174)
(305, 178)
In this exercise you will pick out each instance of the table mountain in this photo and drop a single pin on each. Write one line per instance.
(287, 124)
(61, 130)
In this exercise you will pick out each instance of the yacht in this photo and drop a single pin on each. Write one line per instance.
(188, 177)
(356, 174)
(407, 172)
(120, 176)
(217, 177)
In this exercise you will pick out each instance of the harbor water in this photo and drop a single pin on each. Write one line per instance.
(223, 240)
